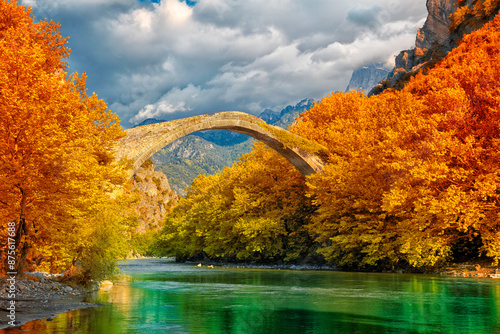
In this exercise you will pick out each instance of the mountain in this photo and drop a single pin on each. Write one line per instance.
(367, 77)
(149, 121)
(189, 156)
(222, 137)
(290, 113)
(447, 22)
(270, 116)
(207, 152)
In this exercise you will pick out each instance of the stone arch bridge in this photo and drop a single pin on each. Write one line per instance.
(142, 142)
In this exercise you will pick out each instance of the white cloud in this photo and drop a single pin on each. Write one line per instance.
(175, 12)
(158, 110)
(170, 60)
(172, 102)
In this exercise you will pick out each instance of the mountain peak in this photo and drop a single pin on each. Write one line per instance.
(148, 121)
(367, 77)
(305, 103)
(270, 116)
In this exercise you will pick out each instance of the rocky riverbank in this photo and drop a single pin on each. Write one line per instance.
(471, 270)
(38, 296)
(474, 269)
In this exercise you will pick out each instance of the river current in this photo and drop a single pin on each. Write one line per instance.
(167, 297)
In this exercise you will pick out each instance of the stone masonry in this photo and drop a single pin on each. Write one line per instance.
(142, 142)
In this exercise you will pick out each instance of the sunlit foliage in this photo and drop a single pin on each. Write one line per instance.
(471, 15)
(351, 223)
(413, 174)
(461, 96)
(253, 211)
(56, 167)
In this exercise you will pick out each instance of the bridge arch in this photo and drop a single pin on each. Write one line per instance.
(140, 143)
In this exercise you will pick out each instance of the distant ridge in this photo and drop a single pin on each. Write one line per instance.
(367, 77)
(148, 121)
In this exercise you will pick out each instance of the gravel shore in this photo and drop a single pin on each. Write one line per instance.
(40, 296)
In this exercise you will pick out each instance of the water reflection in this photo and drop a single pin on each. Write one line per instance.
(172, 298)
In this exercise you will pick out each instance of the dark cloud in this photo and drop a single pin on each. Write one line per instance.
(365, 16)
(173, 58)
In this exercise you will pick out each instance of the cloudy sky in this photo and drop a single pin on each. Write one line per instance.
(170, 59)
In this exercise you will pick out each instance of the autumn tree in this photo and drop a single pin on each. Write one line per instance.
(472, 15)
(56, 165)
(359, 132)
(462, 98)
(252, 211)
(413, 174)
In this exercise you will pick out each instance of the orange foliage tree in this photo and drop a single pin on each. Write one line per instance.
(56, 144)
(471, 15)
(361, 133)
(462, 97)
(413, 175)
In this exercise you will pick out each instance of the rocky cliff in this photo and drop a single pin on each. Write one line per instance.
(155, 197)
(436, 29)
(367, 77)
(447, 22)
(433, 41)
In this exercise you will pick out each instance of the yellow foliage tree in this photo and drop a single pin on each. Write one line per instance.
(252, 211)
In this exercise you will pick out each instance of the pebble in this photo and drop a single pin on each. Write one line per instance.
(37, 290)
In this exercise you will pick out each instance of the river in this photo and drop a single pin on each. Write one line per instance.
(167, 297)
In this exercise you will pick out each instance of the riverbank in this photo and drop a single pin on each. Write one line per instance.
(38, 297)
(243, 265)
(473, 269)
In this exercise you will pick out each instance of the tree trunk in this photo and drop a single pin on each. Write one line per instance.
(21, 237)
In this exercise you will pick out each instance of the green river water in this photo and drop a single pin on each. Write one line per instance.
(166, 297)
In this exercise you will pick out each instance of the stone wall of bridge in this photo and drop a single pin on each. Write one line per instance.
(142, 142)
